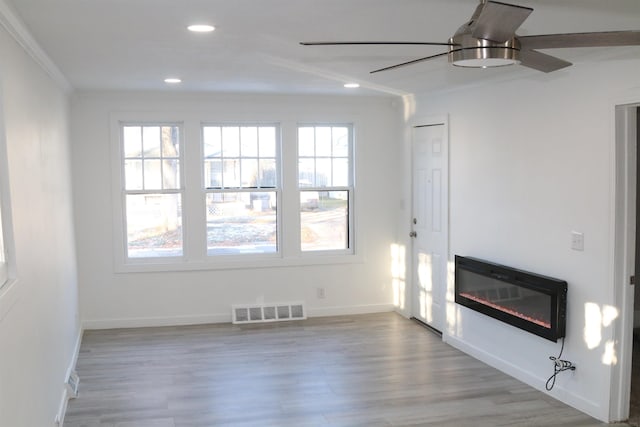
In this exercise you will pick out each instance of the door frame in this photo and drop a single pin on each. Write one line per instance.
(423, 121)
(626, 141)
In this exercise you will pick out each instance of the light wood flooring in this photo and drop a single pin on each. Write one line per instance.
(368, 370)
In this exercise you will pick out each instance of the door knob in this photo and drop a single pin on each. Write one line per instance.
(413, 234)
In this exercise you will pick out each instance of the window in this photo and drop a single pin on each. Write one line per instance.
(241, 188)
(4, 275)
(325, 182)
(193, 193)
(152, 190)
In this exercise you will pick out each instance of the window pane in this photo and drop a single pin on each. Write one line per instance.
(249, 172)
(340, 142)
(230, 142)
(212, 141)
(249, 142)
(323, 172)
(267, 173)
(133, 174)
(325, 226)
(306, 146)
(152, 175)
(231, 174)
(306, 173)
(151, 141)
(323, 141)
(170, 141)
(241, 223)
(267, 138)
(170, 174)
(213, 173)
(154, 225)
(340, 172)
(132, 136)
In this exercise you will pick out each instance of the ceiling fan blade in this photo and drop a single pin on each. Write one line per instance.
(409, 62)
(498, 22)
(375, 43)
(602, 39)
(541, 61)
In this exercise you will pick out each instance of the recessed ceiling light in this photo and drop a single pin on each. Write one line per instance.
(351, 85)
(201, 28)
(172, 80)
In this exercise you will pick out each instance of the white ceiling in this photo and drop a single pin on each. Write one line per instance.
(135, 44)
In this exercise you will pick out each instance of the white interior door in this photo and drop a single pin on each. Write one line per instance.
(430, 224)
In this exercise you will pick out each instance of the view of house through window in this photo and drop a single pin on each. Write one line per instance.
(152, 190)
(325, 184)
(218, 193)
(241, 188)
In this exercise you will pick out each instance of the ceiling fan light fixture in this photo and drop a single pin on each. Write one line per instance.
(481, 53)
(484, 57)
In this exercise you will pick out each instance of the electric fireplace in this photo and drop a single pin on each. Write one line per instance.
(525, 300)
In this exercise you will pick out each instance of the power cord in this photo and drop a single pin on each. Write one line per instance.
(559, 365)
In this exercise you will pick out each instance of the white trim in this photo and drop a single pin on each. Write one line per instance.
(9, 296)
(7, 249)
(587, 406)
(11, 22)
(65, 396)
(194, 257)
(624, 225)
(64, 399)
(349, 310)
(141, 322)
(144, 322)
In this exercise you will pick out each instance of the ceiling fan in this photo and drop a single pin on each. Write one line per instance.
(489, 39)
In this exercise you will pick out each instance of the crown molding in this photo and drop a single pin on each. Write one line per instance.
(16, 28)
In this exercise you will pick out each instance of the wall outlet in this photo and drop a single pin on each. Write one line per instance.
(320, 293)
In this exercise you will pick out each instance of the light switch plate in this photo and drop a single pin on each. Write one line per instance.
(577, 241)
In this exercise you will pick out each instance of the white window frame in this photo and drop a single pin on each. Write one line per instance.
(350, 189)
(194, 208)
(122, 192)
(277, 189)
(7, 264)
(4, 268)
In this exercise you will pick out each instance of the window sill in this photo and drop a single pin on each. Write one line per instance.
(237, 263)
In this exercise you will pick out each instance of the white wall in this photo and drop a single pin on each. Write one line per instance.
(127, 299)
(531, 161)
(39, 326)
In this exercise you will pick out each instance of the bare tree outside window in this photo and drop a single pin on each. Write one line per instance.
(152, 190)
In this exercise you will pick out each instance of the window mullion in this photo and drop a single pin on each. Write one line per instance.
(194, 215)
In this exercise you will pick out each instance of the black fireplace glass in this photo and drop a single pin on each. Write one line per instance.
(525, 303)
(523, 299)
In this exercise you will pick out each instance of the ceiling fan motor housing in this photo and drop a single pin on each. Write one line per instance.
(481, 53)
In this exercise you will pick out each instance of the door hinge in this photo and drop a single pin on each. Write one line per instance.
(632, 280)
(413, 234)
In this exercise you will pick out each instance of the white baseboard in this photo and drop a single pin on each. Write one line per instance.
(142, 322)
(347, 310)
(570, 398)
(64, 398)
